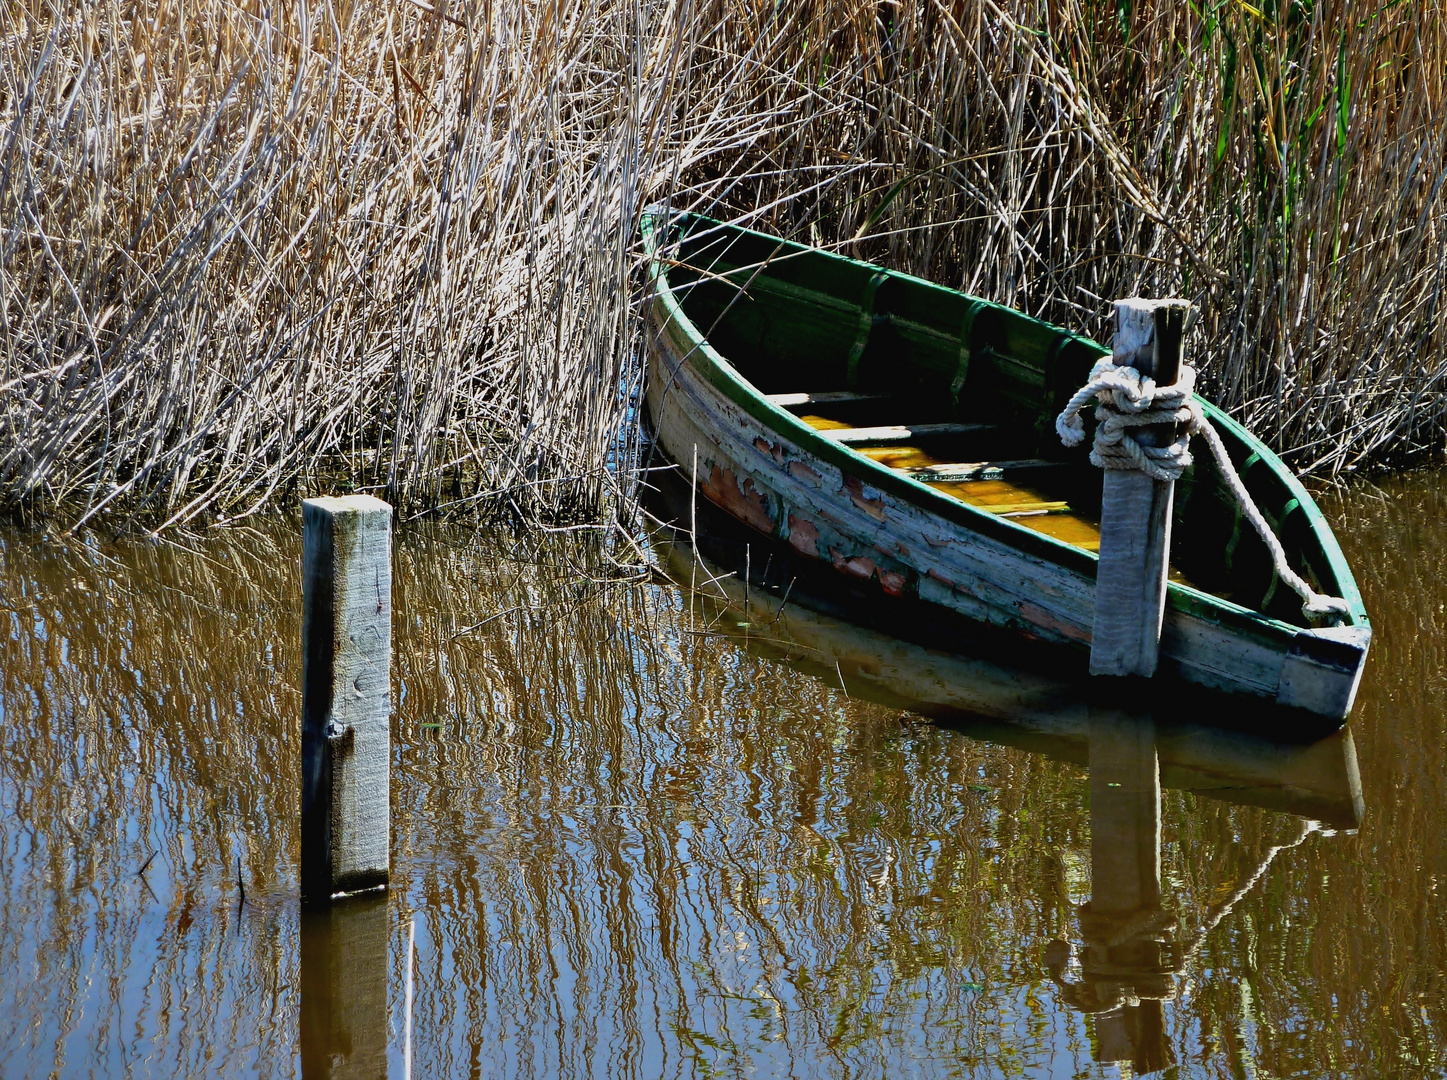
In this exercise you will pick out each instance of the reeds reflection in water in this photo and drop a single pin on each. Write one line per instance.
(637, 844)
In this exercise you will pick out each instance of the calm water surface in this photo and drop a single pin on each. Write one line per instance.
(641, 832)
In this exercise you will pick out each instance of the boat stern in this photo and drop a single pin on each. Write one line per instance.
(1323, 669)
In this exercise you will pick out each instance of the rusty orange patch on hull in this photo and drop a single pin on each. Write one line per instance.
(1046, 620)
(799, 471)
(763, 445)
(855, 565)
(861, 566)
(803, 536)
(892, 582)
(747, 503)
(873, 507)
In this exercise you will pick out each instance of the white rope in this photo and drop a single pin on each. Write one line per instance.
(1125, 400)
(1128, 400)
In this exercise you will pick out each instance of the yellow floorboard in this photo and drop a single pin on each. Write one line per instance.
(1027, 507)
(900, 457)
(823, 423)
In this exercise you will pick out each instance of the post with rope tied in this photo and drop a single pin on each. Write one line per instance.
(1135, 512)
(1146, 415)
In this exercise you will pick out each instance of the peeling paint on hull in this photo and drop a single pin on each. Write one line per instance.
(744, 501)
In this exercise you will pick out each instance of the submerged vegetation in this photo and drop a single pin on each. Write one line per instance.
(249, 248)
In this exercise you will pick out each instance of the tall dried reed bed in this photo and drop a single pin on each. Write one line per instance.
(249, 248)
(1282, 165)
(253, 246)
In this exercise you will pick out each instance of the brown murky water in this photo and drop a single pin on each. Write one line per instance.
(635, 838)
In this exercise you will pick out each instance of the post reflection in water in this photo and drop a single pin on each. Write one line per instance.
(344, 1020)
(1130, 950)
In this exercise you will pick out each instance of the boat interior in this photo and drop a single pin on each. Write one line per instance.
(961, 395)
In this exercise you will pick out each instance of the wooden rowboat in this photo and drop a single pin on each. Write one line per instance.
(901, 433)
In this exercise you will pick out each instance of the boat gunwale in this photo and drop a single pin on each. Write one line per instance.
(720, 373)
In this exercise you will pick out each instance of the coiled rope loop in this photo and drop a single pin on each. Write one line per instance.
(1125, 400)
(1128, 400)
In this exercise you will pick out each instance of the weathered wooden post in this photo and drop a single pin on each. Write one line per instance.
(1135, 513)
(346, 695)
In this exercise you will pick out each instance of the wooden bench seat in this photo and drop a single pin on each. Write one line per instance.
(959, 472)
(823, 397)
(897, 433)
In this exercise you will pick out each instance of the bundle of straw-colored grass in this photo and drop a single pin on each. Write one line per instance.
(248, 248)
(255, 246)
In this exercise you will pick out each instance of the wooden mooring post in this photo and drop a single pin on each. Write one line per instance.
(1135, 513)
(346, 696)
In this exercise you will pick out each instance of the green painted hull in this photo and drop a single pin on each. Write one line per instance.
(738, 320)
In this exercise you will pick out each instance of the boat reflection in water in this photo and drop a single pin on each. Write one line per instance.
(1128, 947)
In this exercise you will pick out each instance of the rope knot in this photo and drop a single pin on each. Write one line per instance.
(1126, 399)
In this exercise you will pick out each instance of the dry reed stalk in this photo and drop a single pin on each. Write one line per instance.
(249, 249)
